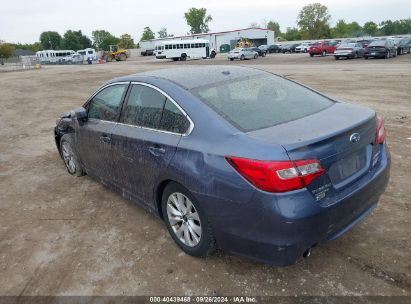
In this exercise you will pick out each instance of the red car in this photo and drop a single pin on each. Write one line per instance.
(323, 48)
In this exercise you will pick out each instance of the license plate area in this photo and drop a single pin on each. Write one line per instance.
(348, 167)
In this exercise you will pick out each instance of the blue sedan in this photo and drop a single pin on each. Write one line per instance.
(231, 157)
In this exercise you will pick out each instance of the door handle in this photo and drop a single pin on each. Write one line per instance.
(105, 139)
(156, 150)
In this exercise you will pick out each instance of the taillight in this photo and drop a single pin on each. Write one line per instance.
(381, 132)
(277, 176)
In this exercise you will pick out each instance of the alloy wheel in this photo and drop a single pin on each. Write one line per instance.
(68, 157)
(184, 219)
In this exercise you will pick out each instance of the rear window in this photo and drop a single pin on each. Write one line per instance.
(262, 101)
(378, 43)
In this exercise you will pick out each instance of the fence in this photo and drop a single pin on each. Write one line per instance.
(20, 63)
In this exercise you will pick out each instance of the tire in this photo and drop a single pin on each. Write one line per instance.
(323, 53)
(231, 59)
(387, 55)
(190, 229)
(183, 57)
(365, 57)
(263, 54)
(311, 55)
(123, 57)
(355, 55)
(242, 57)
(255, 56)
(69, 155)
(336, 57)
(175, 58)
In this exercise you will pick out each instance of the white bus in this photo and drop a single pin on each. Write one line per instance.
(88, 53)
(51, 56)
(182, 49)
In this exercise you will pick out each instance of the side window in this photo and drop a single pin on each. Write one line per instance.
(144, 107)
(173, 120)
(106, 104)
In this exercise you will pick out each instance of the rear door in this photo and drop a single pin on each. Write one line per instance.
(145, 140)
(94, 135)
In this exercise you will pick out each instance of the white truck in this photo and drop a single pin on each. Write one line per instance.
(147, 47)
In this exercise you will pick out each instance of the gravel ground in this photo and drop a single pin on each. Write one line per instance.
(61, 235)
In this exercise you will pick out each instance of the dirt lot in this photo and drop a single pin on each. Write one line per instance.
(61, 235)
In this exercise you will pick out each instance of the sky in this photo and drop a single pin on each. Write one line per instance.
(23, 21)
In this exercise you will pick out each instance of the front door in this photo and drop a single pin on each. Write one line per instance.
(94, 135)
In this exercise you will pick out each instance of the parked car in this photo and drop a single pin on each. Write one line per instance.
(303, 47)
(408, 46)
(349, 51)
(242, 53)
(75, 59)
(382, 48)
(289, 48)
(274, 48)
(403, 46)
(322, 48)
(245, 160)
(263, 47)
(259, 51)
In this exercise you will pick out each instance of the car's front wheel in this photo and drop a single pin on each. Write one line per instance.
(186, 221)
(69, 156)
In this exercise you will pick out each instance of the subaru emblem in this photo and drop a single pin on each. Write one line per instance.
(354, 138)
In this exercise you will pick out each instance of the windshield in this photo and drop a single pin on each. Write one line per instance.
(347, 45)
(262, 101)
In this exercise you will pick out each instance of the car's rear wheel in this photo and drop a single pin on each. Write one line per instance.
(323, 53)
(387, 55)
(186, 221)
(311, 55)
(242, 57)
(69, 156)
(255, 56)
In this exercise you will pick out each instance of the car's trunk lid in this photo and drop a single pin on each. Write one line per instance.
(340, 137)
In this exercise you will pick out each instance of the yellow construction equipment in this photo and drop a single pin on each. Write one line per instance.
(245, 43)
(117, 54)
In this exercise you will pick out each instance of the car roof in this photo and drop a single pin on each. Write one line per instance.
(192, 77)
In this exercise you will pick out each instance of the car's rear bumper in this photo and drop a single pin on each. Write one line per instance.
(278, 229)
(376, 54)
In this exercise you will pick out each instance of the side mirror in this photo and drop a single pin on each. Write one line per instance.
(81, 114)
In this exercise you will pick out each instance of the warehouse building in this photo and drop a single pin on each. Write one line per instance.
(221, 41)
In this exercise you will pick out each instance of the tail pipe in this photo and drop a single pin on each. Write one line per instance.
(307, 253)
